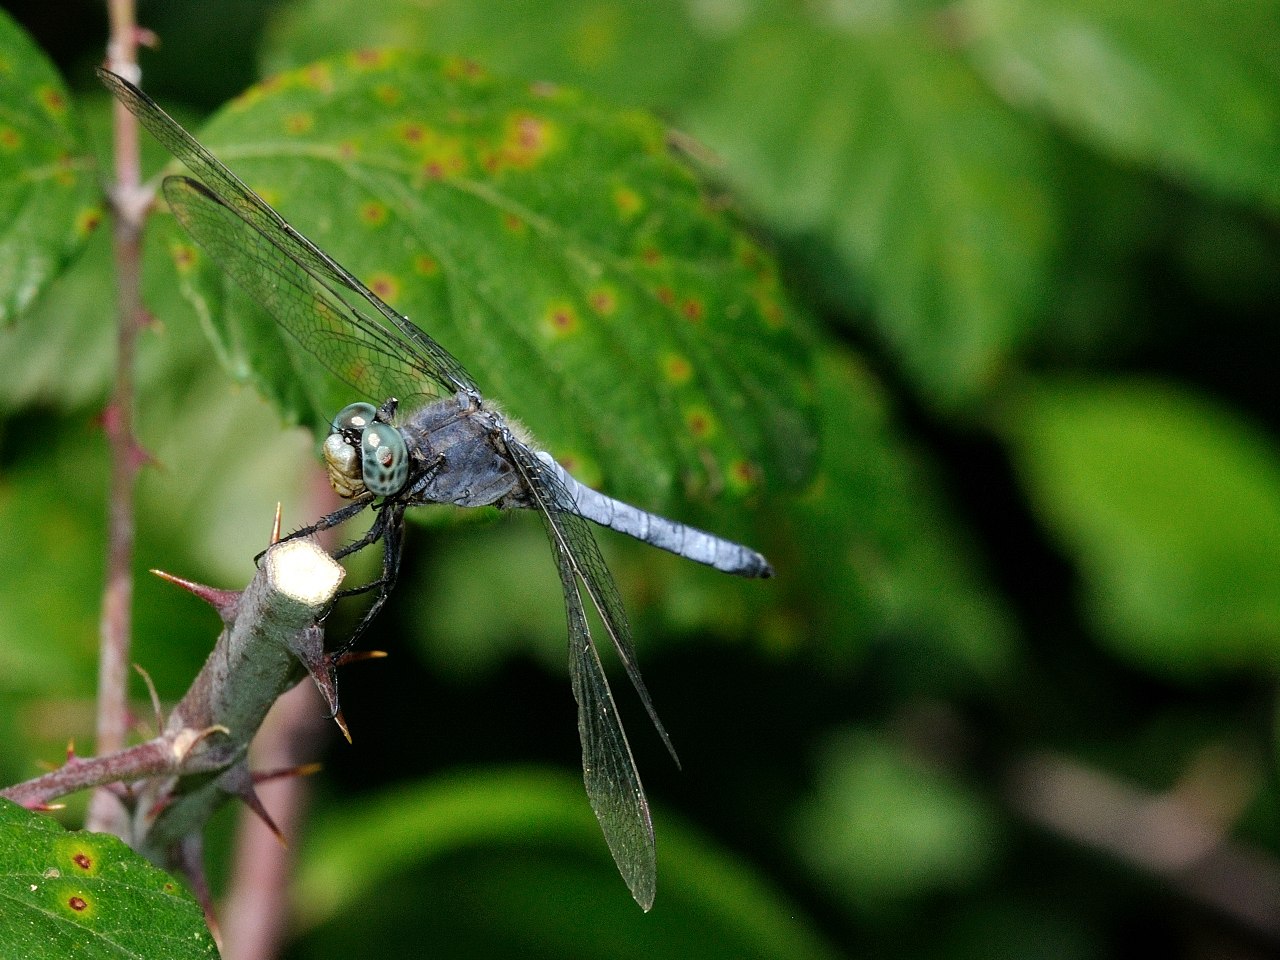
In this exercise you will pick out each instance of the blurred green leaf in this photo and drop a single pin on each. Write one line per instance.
(1171, 506)
(545, 862)
(583, 43)
(87, 895)
(880, 141)
(1186, 87)
(883, 826)
(896, 563)
(553, 244)
(48, 190)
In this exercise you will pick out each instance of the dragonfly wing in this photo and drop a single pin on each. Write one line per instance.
(271, 237)
(574, 541)
(355, 349)
(608, 767)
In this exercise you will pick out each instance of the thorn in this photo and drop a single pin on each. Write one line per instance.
(155, 697)
(356, 656)
(71, 750)
(275, 526)
(341, 721)
(224, 601)
(146, 38)
(250, 798)
(302, 770)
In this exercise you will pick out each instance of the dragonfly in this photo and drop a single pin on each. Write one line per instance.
(424, 434)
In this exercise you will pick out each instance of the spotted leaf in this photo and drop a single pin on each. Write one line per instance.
(579, 270)
(87, 895)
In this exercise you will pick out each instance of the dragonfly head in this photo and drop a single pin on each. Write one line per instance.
(363, 453)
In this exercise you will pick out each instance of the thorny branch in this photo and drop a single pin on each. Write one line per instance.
(171, 784)
(117, 599)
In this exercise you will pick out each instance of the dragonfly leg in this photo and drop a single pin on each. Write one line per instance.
(391, 524)
(341, 515)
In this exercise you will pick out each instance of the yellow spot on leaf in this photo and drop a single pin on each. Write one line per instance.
(700, 422)
(560, 318)
(184, 257)
(513, 223)
(676, 368)
(462, 68)
(426, 265)
(693, 309)
(527, 139)
(385, 286)
(10, 139)
(627, 201)
(297, 123)
(743, 475)
(374, 213)
(603, 300)
(318, 76)
(87, 220)
(388, 93)
(369, 59)
(52, 100)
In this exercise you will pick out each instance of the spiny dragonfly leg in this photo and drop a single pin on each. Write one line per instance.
(390, 528)
(341, 515)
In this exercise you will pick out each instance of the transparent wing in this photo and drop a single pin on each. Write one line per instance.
(575, 544)
(608, 768)
(326, 308)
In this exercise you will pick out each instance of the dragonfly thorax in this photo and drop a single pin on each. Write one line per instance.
(365, 454)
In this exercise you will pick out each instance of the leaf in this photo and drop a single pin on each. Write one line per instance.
(880, 142)
(883, 826)
(1171, 506)
(1186, 87)
(593, 44)
(48, 188)
(87, 895)
(552, 244)
(896, 562)
(526, 839)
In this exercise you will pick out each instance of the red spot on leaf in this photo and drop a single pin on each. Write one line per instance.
(413, 132)
(82, 860)
(374, 213)
(677, 368)
(666, 295)
(603, 301)
(693, 309)
(9, 138)
(385, 286)
(77, 903)
(426, 265)
(651, 256)
(369, 58)
(184, 257)
(89, 221)
(744, 473)
(54, 101)
(562, 318)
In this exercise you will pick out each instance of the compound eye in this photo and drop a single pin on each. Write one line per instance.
(353, 418)
(384, 459)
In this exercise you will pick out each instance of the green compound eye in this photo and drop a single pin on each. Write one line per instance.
(384, 458)
(354, 417)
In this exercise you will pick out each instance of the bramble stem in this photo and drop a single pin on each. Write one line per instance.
(105, 812)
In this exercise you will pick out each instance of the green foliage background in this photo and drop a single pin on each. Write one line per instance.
(1030, 523)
